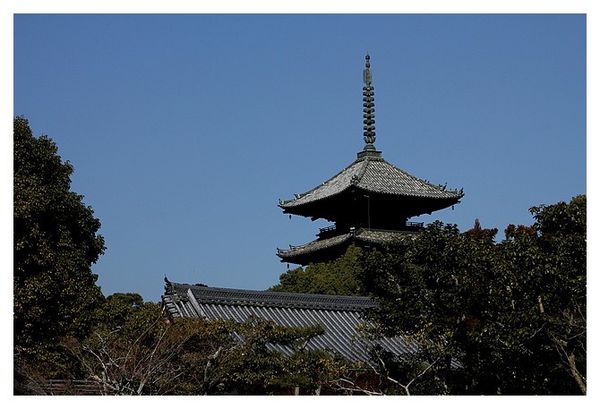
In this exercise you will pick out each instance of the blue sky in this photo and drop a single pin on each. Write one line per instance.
(185, 130)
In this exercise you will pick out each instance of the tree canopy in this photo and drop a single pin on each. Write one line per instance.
(135, 350)
(512, 313)
(55, 244)
(336, 277)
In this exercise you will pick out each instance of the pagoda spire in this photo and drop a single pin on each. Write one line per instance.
(368, 106)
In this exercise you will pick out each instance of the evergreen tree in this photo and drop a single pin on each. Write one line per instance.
(336, 277)
(512, 313)
(55, 244)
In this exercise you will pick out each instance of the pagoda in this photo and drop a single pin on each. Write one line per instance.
(369, 201)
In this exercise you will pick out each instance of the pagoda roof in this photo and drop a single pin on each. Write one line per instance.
(339, 316)
(372, 173)
(364, 235)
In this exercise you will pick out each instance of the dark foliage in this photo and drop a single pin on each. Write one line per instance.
(55, 243)
(512, 313)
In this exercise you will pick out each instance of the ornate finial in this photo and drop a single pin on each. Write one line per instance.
(367, 78)
(368, 106)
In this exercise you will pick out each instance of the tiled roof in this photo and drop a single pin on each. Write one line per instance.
(338, 315)
(373, 174)
(362, 235)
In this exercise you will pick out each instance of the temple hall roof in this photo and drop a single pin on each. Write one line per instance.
(340, 316)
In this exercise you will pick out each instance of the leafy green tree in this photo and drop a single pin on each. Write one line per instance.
(55, 244)
(337, 277)
(512, 313)
(550, 258)
(117, 309)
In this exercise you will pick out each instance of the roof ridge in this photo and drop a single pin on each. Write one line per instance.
(217, 295)
(363, 170)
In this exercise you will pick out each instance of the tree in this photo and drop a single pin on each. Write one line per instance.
(511, 313)
(56, 242)
(555, 270)
(134, 350)
(337, 277)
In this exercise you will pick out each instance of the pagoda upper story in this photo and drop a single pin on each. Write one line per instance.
(370, 197)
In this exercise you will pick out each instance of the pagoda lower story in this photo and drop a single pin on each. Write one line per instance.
(370, 201)
(330, 248)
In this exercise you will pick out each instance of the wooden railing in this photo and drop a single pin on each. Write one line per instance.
(71, 387)
(327, 229)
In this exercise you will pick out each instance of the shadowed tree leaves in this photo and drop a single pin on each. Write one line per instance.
(55, 243)
(136, 351)
(512, 313)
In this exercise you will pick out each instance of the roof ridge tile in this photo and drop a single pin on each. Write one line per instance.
(231, 296)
